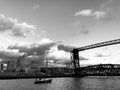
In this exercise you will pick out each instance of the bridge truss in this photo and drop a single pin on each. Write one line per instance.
(75, 51)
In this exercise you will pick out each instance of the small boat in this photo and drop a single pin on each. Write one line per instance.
(39, 81)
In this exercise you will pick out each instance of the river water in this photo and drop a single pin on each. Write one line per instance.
(86, 83)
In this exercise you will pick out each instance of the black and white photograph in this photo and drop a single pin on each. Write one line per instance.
(59, 44)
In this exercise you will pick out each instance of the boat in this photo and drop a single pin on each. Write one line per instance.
(43, 80)
(39, 81)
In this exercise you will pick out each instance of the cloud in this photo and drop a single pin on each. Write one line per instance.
(83, 32)
(102, 55)
(14, 27)
(39, 51)
(65, 47)
(39, 48)
(43, 50)
(35, 52)
(58, 55)
(61, 53)
(35, 7)
(36, 59)
(45, 41)
(99, 14)
(107, 3)
(83, 58)
(89, 12)
(111, 7)
(7, 54)
(82, 28)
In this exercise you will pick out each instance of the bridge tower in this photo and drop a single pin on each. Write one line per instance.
(75, 58)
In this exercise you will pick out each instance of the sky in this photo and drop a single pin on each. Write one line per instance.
(50, 29)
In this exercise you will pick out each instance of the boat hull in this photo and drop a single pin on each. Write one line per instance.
(43, 81)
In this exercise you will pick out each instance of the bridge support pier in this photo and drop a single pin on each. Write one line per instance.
(75, 58)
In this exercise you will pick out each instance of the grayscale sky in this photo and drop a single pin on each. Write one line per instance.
(49, 29)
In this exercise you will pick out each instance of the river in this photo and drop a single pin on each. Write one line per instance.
(86, 83)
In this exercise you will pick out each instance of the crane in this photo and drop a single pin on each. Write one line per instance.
(75, 52)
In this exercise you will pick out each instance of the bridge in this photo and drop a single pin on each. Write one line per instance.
(75, 52)
(101, 69)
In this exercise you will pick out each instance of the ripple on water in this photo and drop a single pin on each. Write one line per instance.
(86, 83)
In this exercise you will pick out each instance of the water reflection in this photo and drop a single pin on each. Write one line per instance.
(86, 83)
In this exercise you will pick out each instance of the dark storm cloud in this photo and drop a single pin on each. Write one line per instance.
(65, 47)
(10, 54)
(36, 58)
(38, 52)
(33, 49)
